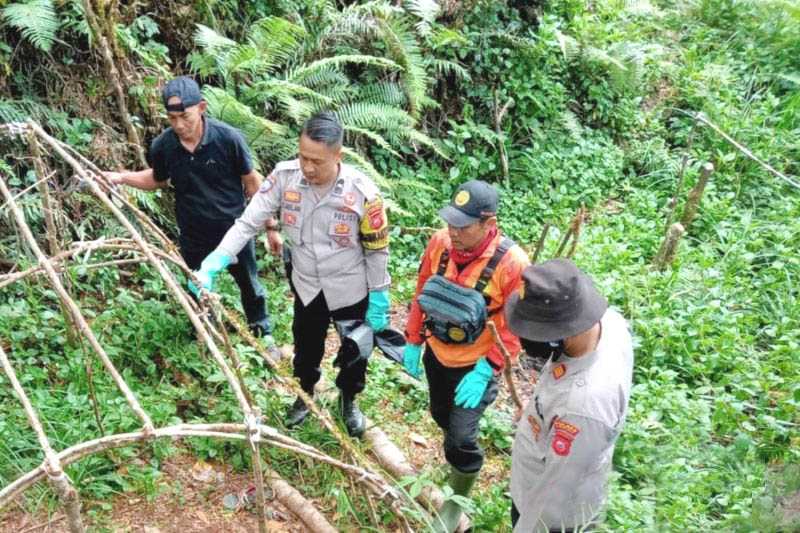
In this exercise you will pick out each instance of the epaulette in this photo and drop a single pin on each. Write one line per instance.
(293, 164)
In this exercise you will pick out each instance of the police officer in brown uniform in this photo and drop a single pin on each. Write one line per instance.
(336, 228)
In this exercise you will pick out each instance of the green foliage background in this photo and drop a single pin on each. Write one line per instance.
(600, 92)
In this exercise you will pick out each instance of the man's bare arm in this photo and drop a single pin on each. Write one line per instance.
(251, 182)
(140, 179)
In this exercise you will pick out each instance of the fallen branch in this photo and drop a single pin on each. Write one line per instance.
(298, 504)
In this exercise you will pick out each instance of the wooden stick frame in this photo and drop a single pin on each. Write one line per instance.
(158, 255)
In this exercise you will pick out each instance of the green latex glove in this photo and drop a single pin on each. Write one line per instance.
(411, 355)
(209, 268)
(378, 310)
(472, 386)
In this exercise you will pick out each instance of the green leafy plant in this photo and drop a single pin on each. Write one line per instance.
(37, 20)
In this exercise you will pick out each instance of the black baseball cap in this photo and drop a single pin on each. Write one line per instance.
(472, 201)
(184, 88)
(556, 300)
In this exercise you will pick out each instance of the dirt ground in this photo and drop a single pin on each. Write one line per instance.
(189, 500)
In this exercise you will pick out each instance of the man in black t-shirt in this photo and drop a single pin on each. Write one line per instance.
(210, 168)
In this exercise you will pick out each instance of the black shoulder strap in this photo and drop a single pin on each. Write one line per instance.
(443, 260)
(488, 271)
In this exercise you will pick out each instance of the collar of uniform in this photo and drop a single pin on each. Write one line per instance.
(487, 254)
(339, 175)
(567, 366)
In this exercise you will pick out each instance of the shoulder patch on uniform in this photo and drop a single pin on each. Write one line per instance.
(565, 433)
(559, 371)
(268, 184)
(374, 225)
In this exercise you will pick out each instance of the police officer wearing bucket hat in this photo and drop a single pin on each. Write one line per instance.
(564, 444)
(469, 261)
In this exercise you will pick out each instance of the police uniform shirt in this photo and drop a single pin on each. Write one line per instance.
(338, 243)
(209, 194)
(565, 440)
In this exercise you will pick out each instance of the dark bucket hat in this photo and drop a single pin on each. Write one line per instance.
(556, 301)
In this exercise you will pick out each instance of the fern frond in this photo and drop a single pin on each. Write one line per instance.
(422, 139)
(335, 62)
(426, 11)
(385, 92)
(444, 67)
(276, 39)
(319, 77)
(37, 20)
(402, 46)
(273, 87)
(259, 132)
(374, 137)
(20, 110)
(572, 124)
(443, 36)
(211, 42)
(375, 116)
(362, 163)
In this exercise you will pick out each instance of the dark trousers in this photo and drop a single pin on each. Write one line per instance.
(310, 327)
(245, 273)
(460, 425)
(515, 518)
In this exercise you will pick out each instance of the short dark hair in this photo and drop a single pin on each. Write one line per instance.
(324, 127)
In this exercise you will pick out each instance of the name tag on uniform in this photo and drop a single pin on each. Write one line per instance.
(292, 196)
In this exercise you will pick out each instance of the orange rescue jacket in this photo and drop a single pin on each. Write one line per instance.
(505, 280)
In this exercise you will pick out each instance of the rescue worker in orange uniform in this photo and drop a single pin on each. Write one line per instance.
(468, 272)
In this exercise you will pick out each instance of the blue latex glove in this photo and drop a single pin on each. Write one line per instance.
(209, 268)
(378, 310)
(411, 355)
(472, 386)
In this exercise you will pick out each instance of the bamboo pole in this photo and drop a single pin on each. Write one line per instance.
(49, 223)
(695, 195)
(52, 466)
(219, 430)
(669, 247)
(512, 388)
(540, 242)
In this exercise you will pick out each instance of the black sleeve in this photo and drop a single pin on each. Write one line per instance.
(157, 160)
(242, 160)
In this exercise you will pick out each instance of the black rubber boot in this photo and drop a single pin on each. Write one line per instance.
(352, 415)
(450, 512)
(296, 414)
